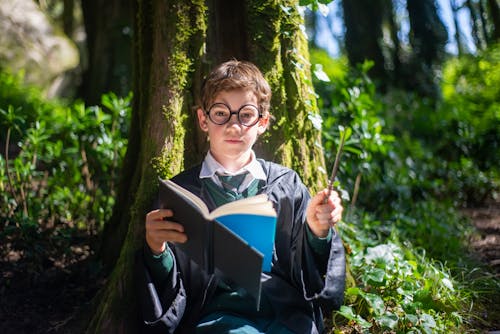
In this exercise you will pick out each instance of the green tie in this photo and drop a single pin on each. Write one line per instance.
(222, 196)
(231, 183)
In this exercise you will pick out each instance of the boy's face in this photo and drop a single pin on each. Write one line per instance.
(231, 143)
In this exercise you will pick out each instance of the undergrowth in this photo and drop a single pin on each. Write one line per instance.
(411, 164)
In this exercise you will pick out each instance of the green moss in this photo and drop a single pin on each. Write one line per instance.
(279, 48)
(170, 161)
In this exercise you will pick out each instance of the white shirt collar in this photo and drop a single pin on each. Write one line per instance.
(211, 166)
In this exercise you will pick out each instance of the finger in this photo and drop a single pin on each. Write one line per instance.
(164, 225)
(327, 208)
(168, 236)
(329, 214)
(334, 198)
(159, 214)
(325, 218)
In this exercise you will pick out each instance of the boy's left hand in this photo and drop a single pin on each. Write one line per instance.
(321, 213)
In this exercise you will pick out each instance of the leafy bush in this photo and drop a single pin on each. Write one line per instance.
(410, 167)
(347, 100)
(471, 112)
(398, 290)
(59, 167)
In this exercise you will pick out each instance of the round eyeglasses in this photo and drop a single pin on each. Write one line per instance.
(221, 113)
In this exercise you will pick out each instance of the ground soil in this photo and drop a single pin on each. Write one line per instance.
(486, 243)
(48, 297)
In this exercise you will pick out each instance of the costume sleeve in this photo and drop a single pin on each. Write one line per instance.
(325, 286)
(159, 265)
(320, 246)
(322, 275)
(162, 307)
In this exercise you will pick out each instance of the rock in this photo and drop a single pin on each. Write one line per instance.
(30, 42)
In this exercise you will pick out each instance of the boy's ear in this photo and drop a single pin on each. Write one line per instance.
(263, 123)
(202, 119)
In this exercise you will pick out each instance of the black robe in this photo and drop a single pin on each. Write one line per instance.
(299, 285)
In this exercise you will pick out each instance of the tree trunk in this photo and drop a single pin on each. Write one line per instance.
(428, 37)
(394, 63)
(68, 17)
(164, 138)
(483, 17)
(364, 35)
(278, 46)
(479, 39)
(168, 47)
(495, 19)
(458, 34)
(108, 25)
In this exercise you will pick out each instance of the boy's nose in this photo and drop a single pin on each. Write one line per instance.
(233, 120)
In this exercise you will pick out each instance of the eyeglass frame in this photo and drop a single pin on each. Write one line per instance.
(237, 113)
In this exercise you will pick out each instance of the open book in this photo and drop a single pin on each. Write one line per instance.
(236, 240)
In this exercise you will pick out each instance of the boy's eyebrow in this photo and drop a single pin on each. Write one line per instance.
(230, 107)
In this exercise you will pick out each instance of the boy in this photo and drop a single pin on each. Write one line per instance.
(308, 266)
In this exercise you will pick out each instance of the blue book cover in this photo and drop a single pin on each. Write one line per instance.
(256, 230)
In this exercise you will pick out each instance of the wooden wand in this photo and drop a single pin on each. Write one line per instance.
(336, 165)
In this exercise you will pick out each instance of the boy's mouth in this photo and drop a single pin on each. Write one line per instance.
(233, 140)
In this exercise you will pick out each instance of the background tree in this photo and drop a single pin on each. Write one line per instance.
(476, 31)
(461, 48)
(494, 10)
(364, 35)
(428, 37)
(108, 55)
(371, 33)
(170, 62)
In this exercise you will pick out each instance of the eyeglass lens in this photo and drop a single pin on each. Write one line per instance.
(220, 113)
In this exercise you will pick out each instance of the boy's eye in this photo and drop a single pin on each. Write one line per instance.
(220, 113)
(248, 113)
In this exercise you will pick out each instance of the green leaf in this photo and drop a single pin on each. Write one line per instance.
(376, 302)
(375, 275)
(316, 120)
(447, 283)
(388, 319)
(320, 74)
(353, 291)
(348, 313)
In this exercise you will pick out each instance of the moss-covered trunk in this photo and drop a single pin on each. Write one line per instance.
(170, 39)
(278, 46)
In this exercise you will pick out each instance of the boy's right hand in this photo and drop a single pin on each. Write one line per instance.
(160, 230)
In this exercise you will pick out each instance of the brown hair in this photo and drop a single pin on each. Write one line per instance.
(236, 74)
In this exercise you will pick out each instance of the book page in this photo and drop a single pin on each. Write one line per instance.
(189, 195)
(255, 205)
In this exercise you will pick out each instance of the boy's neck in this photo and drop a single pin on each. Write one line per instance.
(232, 164)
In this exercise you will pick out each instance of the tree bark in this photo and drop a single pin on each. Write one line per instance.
(483, 18)
(278, 46)
(495, 19)
(475, 31)
(458, 35)
(168, 50)
(68, 17)
(393, 64)
(108, 25)
(428, 37)
(364, 35)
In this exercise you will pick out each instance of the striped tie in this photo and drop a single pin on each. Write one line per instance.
(231, 183)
